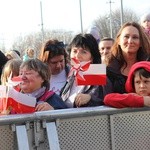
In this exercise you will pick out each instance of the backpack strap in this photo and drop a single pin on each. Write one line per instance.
(46, 95)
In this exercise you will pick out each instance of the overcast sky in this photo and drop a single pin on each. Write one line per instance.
(23, 16)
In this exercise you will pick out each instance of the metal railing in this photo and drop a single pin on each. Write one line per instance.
(93, 128)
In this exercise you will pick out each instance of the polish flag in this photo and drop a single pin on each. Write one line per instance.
(3, 100)
(10, 99)
(14, 81)
(95, 75)
(21, 103)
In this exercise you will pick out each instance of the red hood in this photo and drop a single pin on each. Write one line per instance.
(141, 64)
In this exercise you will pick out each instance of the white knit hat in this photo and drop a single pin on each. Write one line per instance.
(145, 17)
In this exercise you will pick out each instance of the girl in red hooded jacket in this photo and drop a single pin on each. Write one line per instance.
(137, 87)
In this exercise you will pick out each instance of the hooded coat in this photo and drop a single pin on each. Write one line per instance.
(130, 99)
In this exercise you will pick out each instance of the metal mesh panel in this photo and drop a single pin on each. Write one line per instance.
(86, 133)
(131, 131)
(7, 138)
(44, 145)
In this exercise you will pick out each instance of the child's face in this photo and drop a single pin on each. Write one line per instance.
(146, 24)
(81, 54)
(142, 85)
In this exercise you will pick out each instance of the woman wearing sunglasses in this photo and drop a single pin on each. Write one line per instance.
(54, 54)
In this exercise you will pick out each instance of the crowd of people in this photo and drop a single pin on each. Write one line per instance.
(50, 79)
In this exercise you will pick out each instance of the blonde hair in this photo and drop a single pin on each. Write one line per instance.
(30, 52)
(12, 66)
(12, 54)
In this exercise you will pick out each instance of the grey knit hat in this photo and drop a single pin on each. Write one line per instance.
(145, 17)
(94, 31)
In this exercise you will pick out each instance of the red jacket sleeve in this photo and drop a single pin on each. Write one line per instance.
(123, 100)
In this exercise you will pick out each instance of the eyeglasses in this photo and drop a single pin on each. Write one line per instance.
(54, 47)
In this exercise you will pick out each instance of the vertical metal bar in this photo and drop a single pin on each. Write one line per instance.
(52, 136)
(121, 13)
(81, 16)
(42, 29)
(110, 20)
(22, 137)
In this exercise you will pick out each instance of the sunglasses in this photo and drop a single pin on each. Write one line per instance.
(54, 47)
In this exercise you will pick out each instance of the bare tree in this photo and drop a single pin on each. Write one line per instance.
(35, 40)
(103, 22)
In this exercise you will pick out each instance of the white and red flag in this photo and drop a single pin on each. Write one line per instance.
(88, 74)
(14, 101)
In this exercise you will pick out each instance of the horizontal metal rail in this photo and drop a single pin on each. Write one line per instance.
(64, 113)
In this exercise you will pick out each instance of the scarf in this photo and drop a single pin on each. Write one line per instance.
(67, 88)
(38, 93)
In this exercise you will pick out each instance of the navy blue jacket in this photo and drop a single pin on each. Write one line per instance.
(53, 99)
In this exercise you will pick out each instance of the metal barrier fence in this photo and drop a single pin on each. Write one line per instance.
(96, 128)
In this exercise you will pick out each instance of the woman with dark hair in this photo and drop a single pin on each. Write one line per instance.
(86, 41)
(83, 48)
(131, 45)
(3, 61)
(54, 54)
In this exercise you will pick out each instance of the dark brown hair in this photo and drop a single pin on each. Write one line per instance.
(51, 49)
